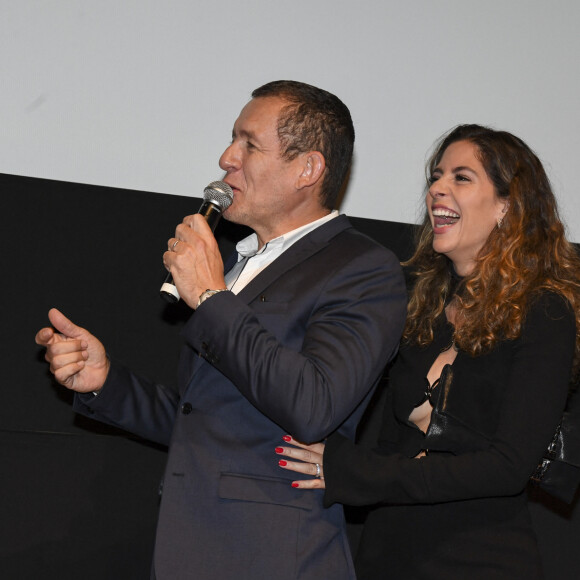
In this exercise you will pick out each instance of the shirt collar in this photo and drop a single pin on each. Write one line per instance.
(248, 247)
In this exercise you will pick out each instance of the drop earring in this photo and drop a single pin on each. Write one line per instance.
(504, 211)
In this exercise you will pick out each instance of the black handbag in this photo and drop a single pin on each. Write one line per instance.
(558, 472)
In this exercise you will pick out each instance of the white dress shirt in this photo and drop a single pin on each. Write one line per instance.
(252, 261)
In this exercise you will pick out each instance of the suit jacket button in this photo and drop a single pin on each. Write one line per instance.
(186, 408)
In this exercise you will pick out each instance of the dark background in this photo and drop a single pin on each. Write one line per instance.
(79, 499)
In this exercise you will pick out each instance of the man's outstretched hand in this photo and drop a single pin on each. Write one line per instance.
(77, 358)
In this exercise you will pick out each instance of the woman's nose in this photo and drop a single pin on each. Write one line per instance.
(436, 189)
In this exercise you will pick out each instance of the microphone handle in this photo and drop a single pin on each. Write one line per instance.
(168, 290)
(212, 214)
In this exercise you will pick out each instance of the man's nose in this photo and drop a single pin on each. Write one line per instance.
(230, 158)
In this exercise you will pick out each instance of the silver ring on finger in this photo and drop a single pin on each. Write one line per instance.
(317, 470)
(174, 245)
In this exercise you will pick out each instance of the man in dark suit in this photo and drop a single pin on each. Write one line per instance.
(292, 340)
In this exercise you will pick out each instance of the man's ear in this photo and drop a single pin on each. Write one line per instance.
(313, 167)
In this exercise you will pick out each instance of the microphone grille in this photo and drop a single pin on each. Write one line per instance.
(219, 193)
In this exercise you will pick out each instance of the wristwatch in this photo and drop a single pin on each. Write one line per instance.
(207, 293)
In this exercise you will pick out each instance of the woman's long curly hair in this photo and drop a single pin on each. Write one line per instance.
(528, 253)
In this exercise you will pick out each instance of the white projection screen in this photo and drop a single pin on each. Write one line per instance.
(142, 94)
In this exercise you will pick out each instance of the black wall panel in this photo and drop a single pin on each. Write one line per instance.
(79, 499)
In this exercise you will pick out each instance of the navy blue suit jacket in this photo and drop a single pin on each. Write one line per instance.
(298, 350)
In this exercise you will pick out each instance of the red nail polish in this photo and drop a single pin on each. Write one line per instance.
(282, 463)
(287, 438)
(294, 484)
(279, 450)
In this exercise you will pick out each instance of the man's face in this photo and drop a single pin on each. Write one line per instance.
(263, 183)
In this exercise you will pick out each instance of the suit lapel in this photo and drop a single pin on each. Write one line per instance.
(296, 254)
(230, 262)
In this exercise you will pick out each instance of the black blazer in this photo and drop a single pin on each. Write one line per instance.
(461, 511)
(297, 351)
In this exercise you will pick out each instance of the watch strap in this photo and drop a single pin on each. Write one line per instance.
(207, 294)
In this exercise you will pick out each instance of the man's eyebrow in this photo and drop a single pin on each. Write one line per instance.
(243, 133)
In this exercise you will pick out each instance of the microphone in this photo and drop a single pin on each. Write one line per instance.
(217, 197)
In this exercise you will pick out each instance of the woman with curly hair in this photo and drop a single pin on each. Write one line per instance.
(481, 379)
